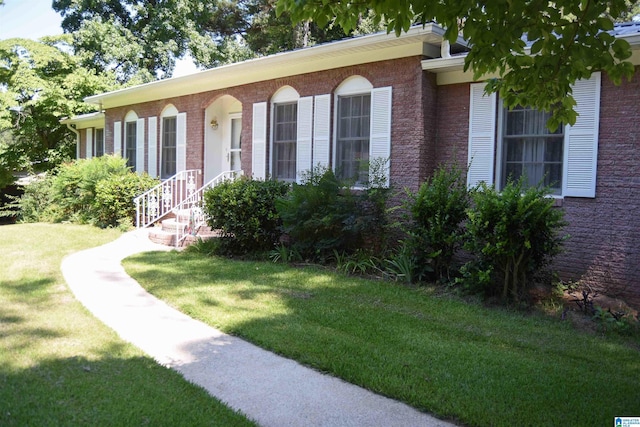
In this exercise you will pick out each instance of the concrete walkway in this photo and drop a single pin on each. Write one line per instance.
(272, 390)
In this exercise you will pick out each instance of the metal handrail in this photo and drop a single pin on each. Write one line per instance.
(194, 203)
(164, 197)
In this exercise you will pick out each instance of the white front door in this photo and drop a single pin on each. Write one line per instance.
(234, 143)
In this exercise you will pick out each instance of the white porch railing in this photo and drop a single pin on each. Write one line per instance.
(164, 197)
(193, 205)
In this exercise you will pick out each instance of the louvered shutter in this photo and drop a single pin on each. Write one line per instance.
(303, 139)
(140, 146)
(581, 153)
(321, 130)
(117, 138)
(380, 136)
(259, 140)
(152, 156)
(482, 140)
(181, 142)
(89, 144)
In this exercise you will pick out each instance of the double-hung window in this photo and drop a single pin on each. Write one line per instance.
(99, 143)
(352, 145)
(285, 121)
(130, 143)
(564, 160)
(169, 147)
(530, 150)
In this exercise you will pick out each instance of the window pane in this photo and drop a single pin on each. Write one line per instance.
(515, 122)
(236, 134)
(99, 142)
(513, 172)
(514, 150)
(530, 150)
(554, 150)
(284, 141)
(130, 144)
(352, 149)
(169, 147)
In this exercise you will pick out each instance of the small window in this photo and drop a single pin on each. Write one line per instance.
(352, 150)
(169, 147)
(284, 141)
(531, 150)
(130, 143)
(99, 151)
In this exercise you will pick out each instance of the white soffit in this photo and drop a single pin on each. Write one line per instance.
(84, 121)
(360, 50)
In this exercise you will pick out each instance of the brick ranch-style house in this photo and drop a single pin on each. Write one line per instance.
(406, 99)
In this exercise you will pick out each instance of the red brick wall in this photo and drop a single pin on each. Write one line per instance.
(412, 159)
(604, 247)
(605, 232)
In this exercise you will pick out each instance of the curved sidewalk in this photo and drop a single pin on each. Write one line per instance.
(270, 389)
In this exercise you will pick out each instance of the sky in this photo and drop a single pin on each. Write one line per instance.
(33, 19)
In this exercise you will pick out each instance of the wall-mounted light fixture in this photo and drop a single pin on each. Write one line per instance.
(214, 123)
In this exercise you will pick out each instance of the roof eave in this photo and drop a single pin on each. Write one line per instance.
(360, 50)
(85, 120)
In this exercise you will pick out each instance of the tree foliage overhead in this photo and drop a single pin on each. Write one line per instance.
(144, 38)
(42, 83)
(568, 40)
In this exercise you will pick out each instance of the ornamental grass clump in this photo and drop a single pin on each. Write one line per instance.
(513, 234)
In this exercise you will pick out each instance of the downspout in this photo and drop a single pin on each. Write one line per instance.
(77, 132)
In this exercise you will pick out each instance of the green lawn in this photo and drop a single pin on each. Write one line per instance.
(460, 361)
(61, 366)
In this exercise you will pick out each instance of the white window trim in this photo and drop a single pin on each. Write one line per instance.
(585, 130)
(284, 95)
(500, 151)
(258, 140)
(358, 85)
(89, 143)
(131, 117)
(168, 111)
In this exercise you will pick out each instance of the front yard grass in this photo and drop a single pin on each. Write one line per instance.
(59, 366)
(460, 361)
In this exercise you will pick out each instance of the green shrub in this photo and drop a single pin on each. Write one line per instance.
(514, 234)
(435, 229)
(324, 216)
(113, 204)
(244, 210)
(37, 202)
(97, 191)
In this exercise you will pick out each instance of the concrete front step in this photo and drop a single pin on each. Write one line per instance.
(166, 233)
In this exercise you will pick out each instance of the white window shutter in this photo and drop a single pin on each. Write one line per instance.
(321, 130)
(117, 138)
(140, 146)
(181, 142)
(482, 136)
(304, 132)
(89, 144)
(152, 156)
(259, 140)
(581, 140)
(380, 137)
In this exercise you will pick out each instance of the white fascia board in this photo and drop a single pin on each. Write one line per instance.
(84, 121)
(451, 70)
(439, 65)
(632, 39)
(360, 50)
